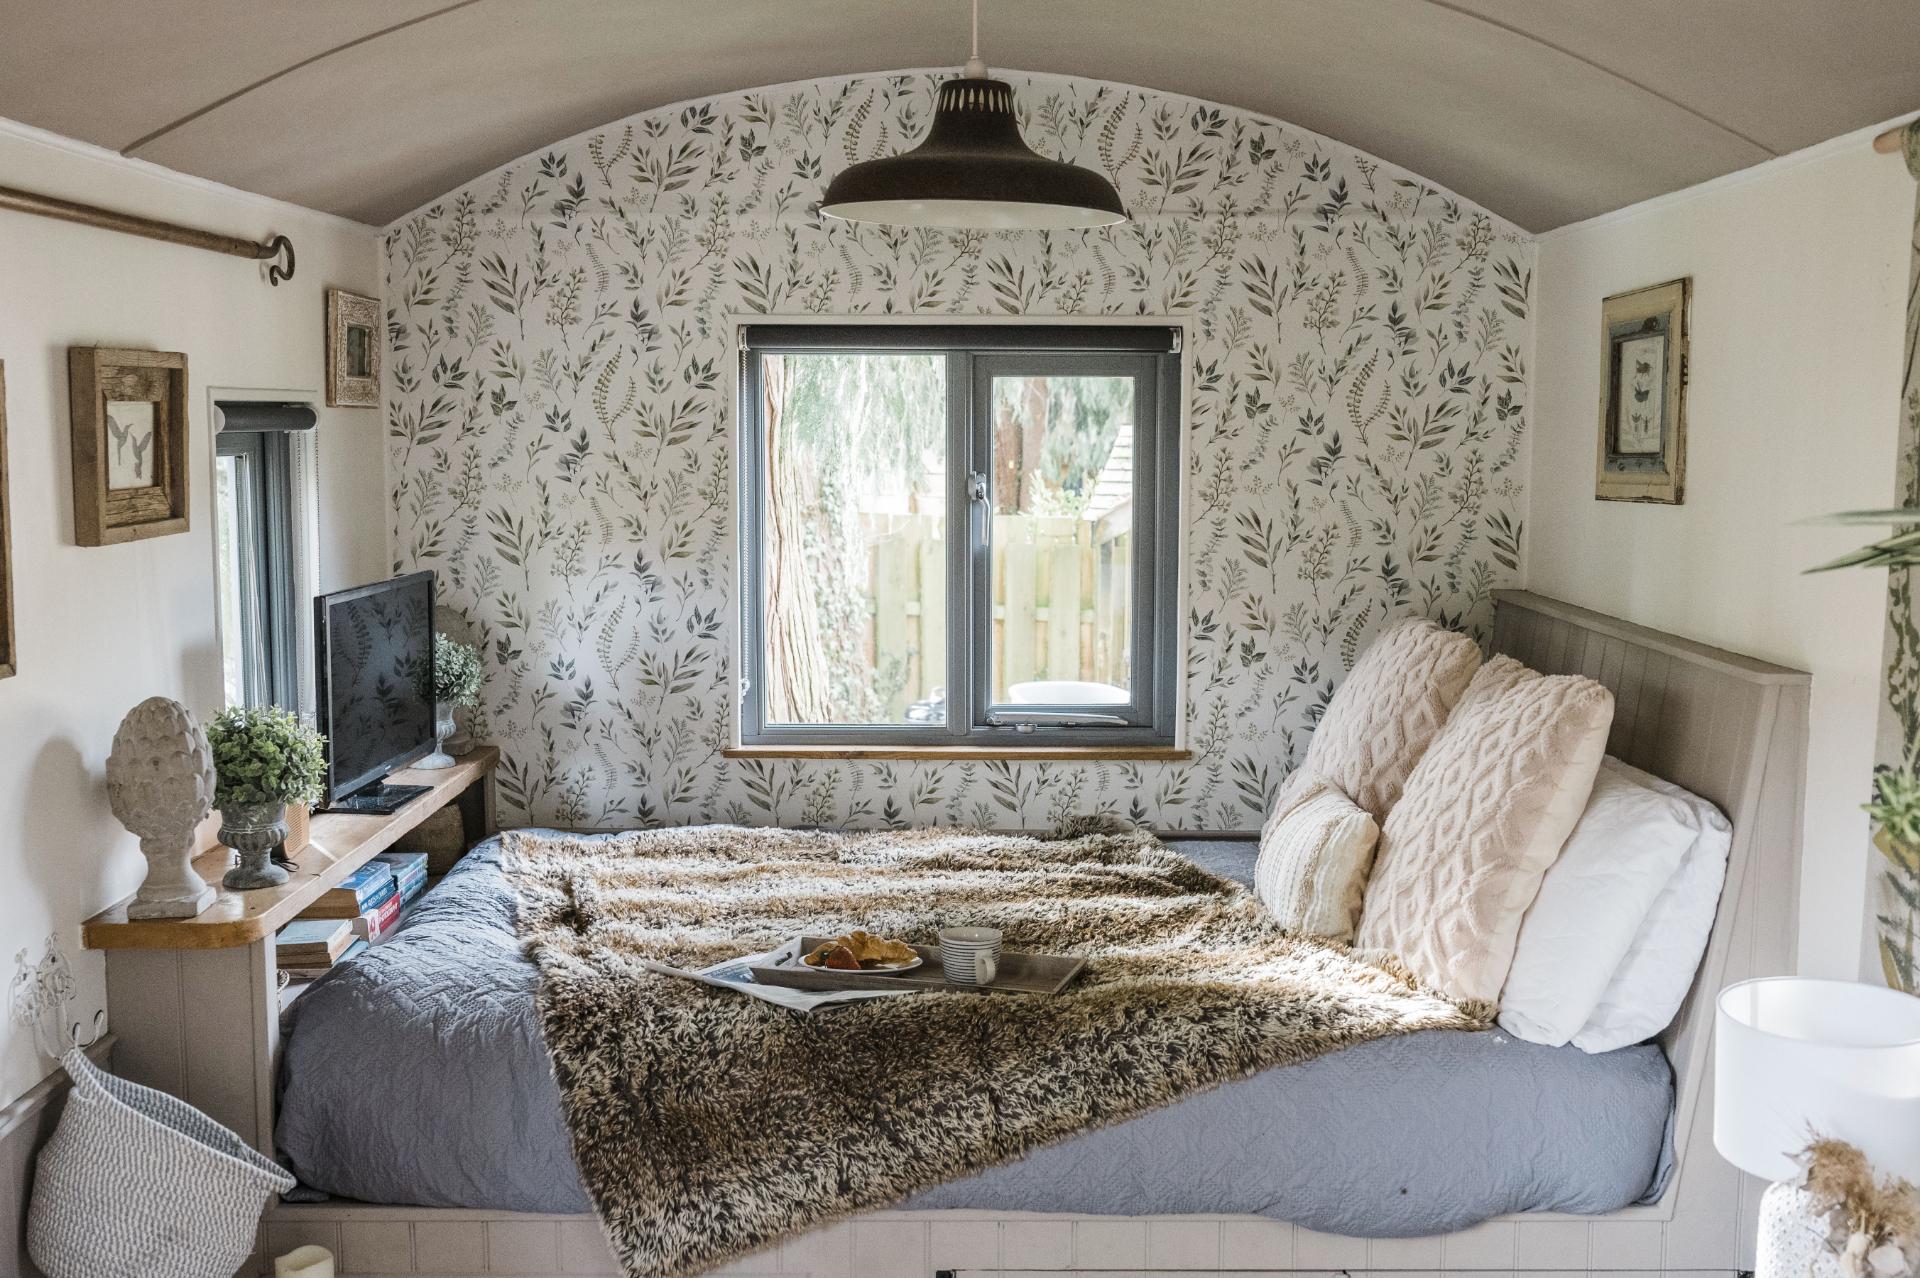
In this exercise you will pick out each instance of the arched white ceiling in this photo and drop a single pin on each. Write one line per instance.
(1545, 111)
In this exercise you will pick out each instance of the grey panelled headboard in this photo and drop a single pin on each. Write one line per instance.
(1731, 729)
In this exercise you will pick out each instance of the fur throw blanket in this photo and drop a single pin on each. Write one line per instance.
(707, 1125)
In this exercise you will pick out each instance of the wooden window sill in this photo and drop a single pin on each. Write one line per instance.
(1139, 754)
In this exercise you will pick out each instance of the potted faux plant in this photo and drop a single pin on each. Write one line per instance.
(263, 759)
(456, 682)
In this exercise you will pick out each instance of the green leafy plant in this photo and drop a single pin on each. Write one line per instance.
(456, 671)
(1901, 550)
(1895, 808)
(1896, 811)
(263, 754)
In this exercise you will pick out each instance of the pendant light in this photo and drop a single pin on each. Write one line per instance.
(974, 171)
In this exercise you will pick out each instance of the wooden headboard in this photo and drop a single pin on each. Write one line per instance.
(1733, 730)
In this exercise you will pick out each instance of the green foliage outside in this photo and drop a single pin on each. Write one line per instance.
(263, 754)
(859, 431)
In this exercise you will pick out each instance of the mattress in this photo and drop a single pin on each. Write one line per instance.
(414, 1073)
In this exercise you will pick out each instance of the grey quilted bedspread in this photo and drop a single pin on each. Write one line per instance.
(415, 1074)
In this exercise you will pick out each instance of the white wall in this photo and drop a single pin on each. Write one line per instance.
(1799, 271)
(98, 629)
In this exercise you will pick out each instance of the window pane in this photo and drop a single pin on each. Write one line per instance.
(854, 538)
(232, 586)
(1062, 584)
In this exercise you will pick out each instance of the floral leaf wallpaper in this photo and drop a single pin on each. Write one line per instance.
(561, 429)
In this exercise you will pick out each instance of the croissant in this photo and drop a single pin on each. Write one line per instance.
(859, 949)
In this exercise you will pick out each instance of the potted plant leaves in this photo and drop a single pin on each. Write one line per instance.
(456, 682)
(263, 759)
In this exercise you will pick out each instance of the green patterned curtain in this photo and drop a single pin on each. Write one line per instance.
(1896, 807)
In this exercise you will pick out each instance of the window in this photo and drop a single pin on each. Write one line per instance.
(258, 603)
(959, 536)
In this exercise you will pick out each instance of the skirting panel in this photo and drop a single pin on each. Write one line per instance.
(388, 1242)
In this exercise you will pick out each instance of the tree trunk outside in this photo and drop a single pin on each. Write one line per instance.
(796, 668)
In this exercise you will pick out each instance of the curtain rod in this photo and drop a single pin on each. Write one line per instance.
(169, 232)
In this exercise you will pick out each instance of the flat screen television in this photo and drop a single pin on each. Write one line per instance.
(373, 653)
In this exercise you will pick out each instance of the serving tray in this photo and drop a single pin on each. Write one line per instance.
(1019, 972)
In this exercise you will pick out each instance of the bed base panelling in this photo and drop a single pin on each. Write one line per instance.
(390, 1242)
(1725, 726)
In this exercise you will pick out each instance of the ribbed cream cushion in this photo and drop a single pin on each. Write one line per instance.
(1315, 852)
(1386, 713)
(1481, 818)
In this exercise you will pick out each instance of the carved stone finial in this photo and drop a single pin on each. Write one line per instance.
(160, 785)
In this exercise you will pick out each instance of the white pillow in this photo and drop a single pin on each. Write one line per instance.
(1315, 853)
(1627, 845)
(1652, 980)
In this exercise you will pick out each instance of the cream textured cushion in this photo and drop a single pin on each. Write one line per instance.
(1315, 852)
(1482, 817)
(1386, 714)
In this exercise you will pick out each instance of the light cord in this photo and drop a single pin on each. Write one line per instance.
(976, 68)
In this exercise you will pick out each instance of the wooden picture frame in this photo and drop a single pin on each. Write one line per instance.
(1642, 447)
(129, 417)
(353, 350)
(9, 662)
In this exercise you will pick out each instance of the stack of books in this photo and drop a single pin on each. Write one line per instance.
(409, 872)
(378, 922)
(369, 901)
(305, 948)
(363, 890)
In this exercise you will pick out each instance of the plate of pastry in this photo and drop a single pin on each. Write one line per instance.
(859, 951)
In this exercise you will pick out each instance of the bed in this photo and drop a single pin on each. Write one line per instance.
(1412, 1135)
(1725, 726)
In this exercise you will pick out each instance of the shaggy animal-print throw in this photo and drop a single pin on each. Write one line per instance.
(708, 1124)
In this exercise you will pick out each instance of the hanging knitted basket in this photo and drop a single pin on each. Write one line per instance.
(138, 1184)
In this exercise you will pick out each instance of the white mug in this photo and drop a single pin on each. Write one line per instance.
(970, 955)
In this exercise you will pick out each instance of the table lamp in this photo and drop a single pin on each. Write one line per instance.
(1797, 1057)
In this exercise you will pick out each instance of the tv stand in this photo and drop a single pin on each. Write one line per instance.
(196, 1002)
(378, 799)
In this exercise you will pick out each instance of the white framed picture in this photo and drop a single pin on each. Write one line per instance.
(1643, 370)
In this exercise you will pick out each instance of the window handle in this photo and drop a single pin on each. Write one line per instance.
(980, 499)
(1028, 720)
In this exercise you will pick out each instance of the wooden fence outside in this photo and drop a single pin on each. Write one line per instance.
(1062, 599)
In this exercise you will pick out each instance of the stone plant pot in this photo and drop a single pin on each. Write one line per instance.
(443, 727)
(254, 830)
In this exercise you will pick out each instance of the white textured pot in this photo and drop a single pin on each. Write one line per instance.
(1794, 1242)
(160, 786)
(443, 727)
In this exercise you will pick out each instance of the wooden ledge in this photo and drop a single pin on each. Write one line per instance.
(341, 843)
(1013, 754)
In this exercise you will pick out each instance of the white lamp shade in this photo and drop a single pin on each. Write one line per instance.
(1798, 1058)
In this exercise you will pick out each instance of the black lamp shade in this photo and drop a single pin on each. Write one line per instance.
(974, 171)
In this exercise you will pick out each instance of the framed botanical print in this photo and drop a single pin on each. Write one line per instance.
(9, 664)
(1643, 383)
(353, 350)
(129, 418)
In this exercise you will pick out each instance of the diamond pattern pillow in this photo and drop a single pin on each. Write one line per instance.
(1386, 714)
(1482, 817)
(1315, 851)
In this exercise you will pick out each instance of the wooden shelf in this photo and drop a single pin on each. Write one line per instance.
(341, 843)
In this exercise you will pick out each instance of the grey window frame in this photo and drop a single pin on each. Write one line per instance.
(974, 355)
(263, 549)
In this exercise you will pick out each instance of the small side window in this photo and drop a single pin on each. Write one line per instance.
(259, 611)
